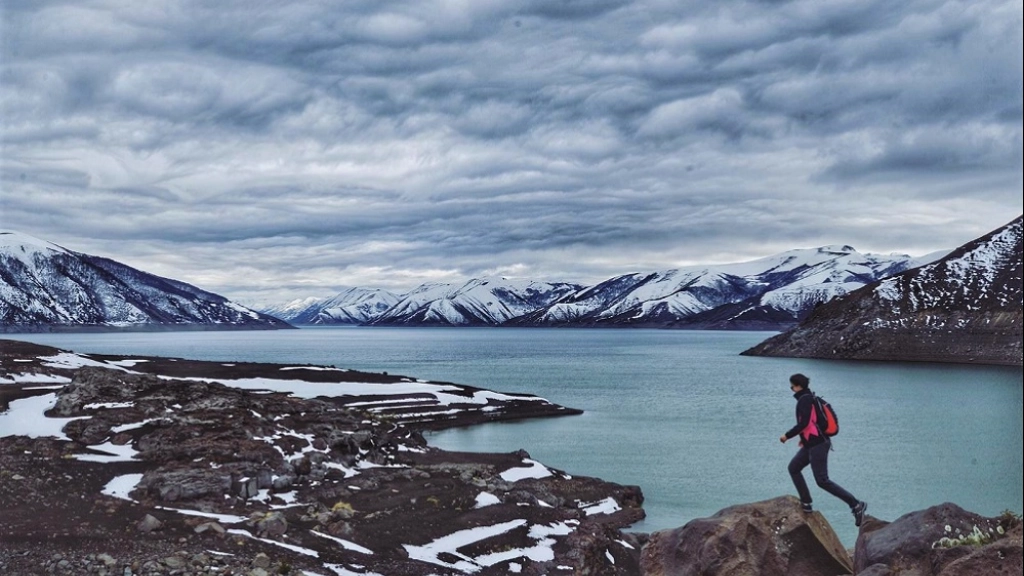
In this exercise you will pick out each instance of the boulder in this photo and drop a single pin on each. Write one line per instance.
(876, 570)
(149, 524)
(245, 488)
(213, 527)
(272, 525)
(922, 542)
(770, 538)
(261, 561)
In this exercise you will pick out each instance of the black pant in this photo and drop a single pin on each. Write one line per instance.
(817, 457)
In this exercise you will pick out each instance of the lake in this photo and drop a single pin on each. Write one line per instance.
(680, 413)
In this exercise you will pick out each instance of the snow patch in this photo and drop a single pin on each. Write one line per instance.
(113, 453)
(31, 378)
(292, 547)
(25, 417)
(485, 499)
(102, 405)
(533, 471)
(606, 506)
(71, 361)
(127, 363)
(449, 545)
(343, 543)
(121, 486)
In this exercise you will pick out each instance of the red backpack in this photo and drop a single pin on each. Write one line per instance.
(828, 422)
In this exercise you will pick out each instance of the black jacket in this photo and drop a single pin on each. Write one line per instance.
(807, 419)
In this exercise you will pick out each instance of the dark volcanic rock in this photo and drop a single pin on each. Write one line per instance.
(770, 538)
(309, 484)
(966, 307)
(944, 539)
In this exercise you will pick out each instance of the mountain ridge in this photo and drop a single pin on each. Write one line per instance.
(478, 301)
(965, 307)
(46, 287)
(771, 293)
(765, 294)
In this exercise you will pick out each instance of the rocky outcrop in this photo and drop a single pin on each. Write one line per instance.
(324, 484)
(775, 538)
(420, 405)
(965, 308)
(769, 538)
(943, 540)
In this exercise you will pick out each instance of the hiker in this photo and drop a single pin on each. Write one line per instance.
(814, 448)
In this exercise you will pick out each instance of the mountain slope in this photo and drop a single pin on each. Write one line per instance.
(478, 302)
(301, 311)
(44, 286)
(353, 306)
(966, 307)
(768, 293)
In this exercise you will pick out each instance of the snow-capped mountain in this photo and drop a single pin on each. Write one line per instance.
(765, 293)
(44, 286)
(769, 293)
(479, 302)
(966, 307)
(295, 312)
(352, 306)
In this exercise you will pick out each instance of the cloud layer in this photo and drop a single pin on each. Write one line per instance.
(267, 151)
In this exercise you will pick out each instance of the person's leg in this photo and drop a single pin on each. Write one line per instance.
(796, 466)
(819, 465)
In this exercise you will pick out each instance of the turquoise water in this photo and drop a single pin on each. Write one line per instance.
(680, 413)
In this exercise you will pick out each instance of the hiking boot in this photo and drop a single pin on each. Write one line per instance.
(806, 507)
(858, 512)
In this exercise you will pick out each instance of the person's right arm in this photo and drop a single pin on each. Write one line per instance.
(803, 417)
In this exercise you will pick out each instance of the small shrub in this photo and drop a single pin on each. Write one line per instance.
(1008, 520)
(975, 538)
(341, 506)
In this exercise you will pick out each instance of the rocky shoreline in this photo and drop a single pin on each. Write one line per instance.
(162, 467)
(156, 466)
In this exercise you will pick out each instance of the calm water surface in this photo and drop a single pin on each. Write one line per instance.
(680, 413)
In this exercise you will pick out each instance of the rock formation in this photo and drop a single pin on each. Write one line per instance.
(145, 461)
(775, 538)
(770, 538)
(943, 540)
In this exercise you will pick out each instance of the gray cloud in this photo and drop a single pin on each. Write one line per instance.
(285, 150)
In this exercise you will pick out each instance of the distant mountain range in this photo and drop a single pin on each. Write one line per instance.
(965, 307)
(352, 306)
(479, 302)
(769, 294)
(44, 286)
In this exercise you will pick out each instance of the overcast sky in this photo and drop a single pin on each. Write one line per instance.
(271, 150)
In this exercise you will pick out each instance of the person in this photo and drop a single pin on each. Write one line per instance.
(814, 449)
